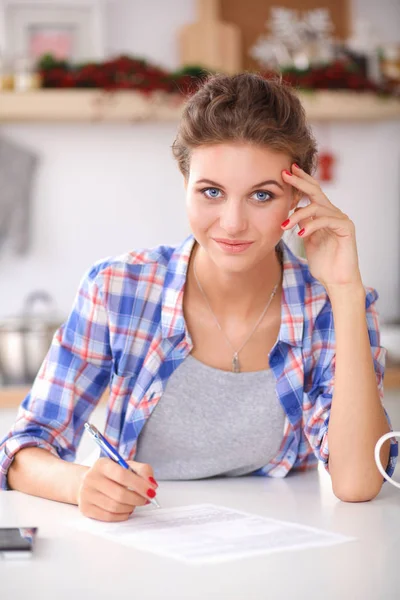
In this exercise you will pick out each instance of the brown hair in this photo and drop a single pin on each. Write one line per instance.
(246, 108)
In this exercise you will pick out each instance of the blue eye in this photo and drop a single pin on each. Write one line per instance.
(262, 196)
(212, 191)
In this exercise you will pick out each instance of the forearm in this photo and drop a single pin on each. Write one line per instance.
(37, 472)
(357, 418)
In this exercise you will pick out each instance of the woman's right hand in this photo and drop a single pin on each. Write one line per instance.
(109, 492)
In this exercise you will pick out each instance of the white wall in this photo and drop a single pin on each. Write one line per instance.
(384, 15)
(102, 189)
(148, 28)
(367, 188)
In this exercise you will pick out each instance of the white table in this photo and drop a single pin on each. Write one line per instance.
(70, 564)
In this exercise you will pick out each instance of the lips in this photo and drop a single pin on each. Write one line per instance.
(233, 246)
(233, 242)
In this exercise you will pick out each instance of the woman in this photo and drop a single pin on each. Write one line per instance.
(228, 354)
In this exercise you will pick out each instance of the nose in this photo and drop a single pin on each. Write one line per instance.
(232, 217)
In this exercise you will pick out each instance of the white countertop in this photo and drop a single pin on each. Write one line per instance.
(69, 563)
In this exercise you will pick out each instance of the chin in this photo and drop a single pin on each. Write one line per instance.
(236, 263)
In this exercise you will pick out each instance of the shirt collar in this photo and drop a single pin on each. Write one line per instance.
(172, 318)
(295, 273)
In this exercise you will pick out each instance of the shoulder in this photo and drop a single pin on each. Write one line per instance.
(309, 305)
(133, 261)
(144, 266)
(132, 264)
(303, 292)
(311, 293)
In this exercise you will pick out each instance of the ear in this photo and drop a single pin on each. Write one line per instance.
(297, 196)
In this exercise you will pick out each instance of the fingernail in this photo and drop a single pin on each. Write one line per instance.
(147, 502)
(296, 165)
(153, 481)
(287, 172)
(285, 223)
(301, 232)
(151, 493)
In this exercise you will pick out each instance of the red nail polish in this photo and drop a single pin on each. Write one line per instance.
(285, 223)
(287, 172)
(296, 165)
(301, 232)
(151, 493)
(153, 481)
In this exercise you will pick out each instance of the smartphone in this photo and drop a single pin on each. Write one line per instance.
(17, 542)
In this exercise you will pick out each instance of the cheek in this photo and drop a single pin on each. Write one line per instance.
(271, 217)
(200, 215)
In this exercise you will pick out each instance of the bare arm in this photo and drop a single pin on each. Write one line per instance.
(106, 491)
(357, 418)
(37, 472)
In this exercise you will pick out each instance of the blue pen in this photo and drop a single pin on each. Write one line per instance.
(113, 454)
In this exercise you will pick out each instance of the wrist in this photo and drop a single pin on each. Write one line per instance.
(352, 291)
(78, 473)
(347, 300)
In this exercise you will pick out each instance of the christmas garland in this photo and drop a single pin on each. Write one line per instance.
(338, 75)
(132, 73)
(120, 73)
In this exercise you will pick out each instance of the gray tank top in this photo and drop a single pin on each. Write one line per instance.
(210, 422)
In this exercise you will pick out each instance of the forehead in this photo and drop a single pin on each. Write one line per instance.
(241, 161)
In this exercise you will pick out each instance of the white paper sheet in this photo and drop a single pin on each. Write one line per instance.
(208, 533)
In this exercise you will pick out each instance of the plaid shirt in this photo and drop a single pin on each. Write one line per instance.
(127, 330)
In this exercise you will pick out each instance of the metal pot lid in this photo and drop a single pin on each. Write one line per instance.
(33, 318)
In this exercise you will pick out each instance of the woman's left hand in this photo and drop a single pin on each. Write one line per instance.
(328, 234)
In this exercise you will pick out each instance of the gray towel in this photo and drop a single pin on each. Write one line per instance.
(17, 168)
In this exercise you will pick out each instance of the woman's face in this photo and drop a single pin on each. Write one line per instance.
(236, 202)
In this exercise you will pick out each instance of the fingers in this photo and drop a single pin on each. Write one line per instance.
(95, 512)
(301, 216)
(306, 184)
(342, 227)
(121, 495)
(299, 171)
(105, 502)
(144, 470)
(109, 492)
(97, 505)
(126, 478)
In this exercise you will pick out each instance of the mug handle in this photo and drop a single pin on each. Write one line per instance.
(378, 447)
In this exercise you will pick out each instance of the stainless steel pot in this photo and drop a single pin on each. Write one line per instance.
(25, 339)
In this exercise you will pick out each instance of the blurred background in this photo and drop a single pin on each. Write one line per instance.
(90, 97)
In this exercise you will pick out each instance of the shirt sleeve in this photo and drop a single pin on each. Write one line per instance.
(316, 425)
(69, 384)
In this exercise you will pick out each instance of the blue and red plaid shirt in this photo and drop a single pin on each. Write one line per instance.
(127, 331)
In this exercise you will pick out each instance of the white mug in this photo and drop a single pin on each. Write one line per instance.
(378, 447)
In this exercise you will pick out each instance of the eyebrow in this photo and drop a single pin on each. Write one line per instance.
(268, 182)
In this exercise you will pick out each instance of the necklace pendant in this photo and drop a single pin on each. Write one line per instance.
(235, 363)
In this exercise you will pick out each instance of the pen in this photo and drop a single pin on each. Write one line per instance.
(113, 454)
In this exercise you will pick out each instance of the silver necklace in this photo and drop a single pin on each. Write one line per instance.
(235, 357)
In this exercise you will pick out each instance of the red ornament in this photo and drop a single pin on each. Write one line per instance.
(326, 162)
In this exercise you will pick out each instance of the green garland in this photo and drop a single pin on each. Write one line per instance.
(136, 73)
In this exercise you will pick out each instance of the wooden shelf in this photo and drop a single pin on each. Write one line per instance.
(126, 106)
(11, 397)
(326, 105)
(88, 106)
